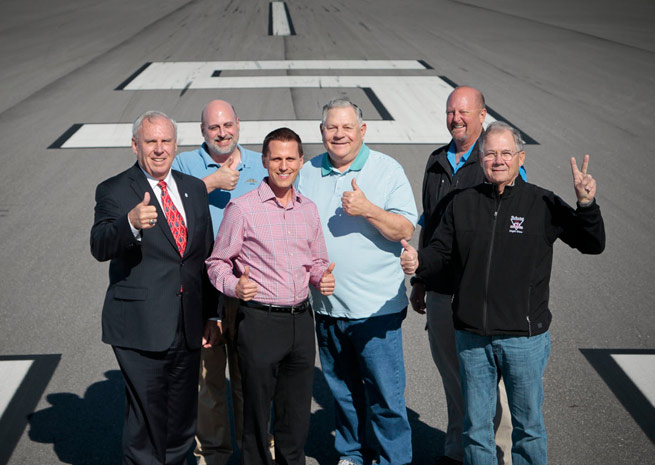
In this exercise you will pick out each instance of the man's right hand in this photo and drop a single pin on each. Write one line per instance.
(245, 288)
(417, 297)
(226, 177)
(143, 216)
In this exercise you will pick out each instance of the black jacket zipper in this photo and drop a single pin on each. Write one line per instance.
(497, 201)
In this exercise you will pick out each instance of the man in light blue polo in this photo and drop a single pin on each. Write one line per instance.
(366, 206)
(229, 171)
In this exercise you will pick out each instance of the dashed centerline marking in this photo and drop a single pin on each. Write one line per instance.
(279, 20)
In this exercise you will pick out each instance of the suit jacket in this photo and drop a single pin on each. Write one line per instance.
(143, 300)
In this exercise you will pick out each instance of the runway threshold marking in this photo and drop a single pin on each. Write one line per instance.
(12, 373)
(630, 375)
(23, 381)
(410, 107)
(279, 20)
(640, 368)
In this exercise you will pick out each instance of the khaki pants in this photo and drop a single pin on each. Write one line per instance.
(213, 438)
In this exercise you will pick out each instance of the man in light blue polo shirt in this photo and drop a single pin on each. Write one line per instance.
(229, 171)
(366, 206)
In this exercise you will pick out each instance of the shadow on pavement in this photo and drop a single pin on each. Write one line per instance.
(87, 430)
(84, 430)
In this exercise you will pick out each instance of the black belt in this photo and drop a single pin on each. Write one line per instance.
(293, 309)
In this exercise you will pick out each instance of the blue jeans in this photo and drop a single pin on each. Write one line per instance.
(521, 362)
(362, 361)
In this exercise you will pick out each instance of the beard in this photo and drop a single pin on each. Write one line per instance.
(218, 150)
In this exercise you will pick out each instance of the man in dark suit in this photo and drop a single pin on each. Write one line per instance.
(154, 226)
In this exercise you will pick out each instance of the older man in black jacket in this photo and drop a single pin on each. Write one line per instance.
(499, 236)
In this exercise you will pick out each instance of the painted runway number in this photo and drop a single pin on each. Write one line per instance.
(411, 107)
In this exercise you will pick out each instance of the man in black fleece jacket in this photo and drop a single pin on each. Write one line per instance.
(499, 236)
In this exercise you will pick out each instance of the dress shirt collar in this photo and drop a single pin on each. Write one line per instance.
(266, 193)
(153, 182)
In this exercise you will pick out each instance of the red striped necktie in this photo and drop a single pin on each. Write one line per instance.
(174, 218)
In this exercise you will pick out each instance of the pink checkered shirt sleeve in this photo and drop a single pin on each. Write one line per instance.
(318, 251)
(227, 246)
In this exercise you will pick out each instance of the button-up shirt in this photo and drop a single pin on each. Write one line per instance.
(283, 246)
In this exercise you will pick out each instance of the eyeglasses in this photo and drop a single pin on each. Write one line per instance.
(506, 155)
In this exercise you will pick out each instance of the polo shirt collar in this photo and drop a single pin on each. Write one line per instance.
(357, 164)
(209, 161)
(452, 151)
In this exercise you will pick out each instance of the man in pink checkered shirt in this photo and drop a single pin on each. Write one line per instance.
(268, 249)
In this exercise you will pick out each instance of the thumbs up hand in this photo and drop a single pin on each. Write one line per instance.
(326, 285)
(245, 288)
(143, 216)
(226, 177)
(408, 258)
(354, 202)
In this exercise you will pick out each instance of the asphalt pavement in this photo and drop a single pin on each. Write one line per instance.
(574, 77)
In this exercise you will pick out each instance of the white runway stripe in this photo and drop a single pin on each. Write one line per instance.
(12, 373)
(107, 135)
(640, 368)
(279, 20)
(176, 75)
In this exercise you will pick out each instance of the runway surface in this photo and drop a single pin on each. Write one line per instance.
(575, 78)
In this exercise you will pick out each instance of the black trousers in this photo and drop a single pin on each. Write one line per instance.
(161, 391)
(276, 358)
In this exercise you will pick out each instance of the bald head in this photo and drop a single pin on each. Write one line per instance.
(471, 94)
(465, 112)
(220, 128)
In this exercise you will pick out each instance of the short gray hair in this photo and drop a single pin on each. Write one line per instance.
(150, 115)
(501, 126)
(342, 102)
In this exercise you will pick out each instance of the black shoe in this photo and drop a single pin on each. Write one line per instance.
(445, 460)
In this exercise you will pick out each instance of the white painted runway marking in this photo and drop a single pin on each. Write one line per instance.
(640, 368)
(414, 103)
(279, 21)
(12, 373)
(176, 75)
(411, 107)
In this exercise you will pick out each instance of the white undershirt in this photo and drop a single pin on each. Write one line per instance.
(172, 192)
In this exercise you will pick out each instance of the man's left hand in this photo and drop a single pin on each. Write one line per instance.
(355, 202)
(211, 333)
(584, 184)
(408, 258)
(327, 281)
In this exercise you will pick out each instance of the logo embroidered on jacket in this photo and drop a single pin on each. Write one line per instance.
(251, 181)
(516, 224)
